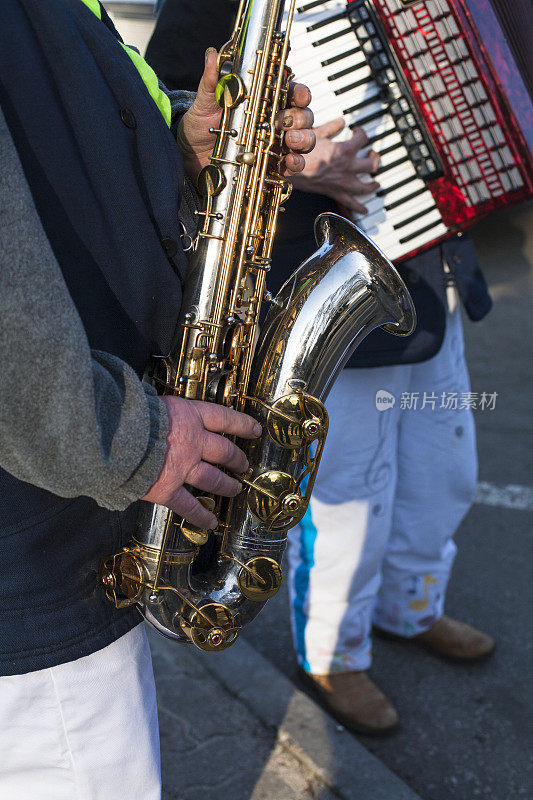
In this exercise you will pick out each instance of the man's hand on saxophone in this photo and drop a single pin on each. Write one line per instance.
(194, 445)
(196, 142)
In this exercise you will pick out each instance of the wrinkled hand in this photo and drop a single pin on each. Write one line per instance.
(194, 445)
(196, 143)
(333, 167)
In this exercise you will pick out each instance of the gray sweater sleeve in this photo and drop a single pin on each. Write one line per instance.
(72, 421)
(180, 102)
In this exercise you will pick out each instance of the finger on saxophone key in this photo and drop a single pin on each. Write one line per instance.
(302, 140)
(190, 508)
(294, 119)
(221, 419)
(299, 95)
(208, 478)
(221, 450)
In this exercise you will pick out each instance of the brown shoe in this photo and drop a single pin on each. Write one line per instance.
(354, 700)
(457, 640)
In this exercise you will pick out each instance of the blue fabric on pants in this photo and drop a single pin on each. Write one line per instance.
(376, 543)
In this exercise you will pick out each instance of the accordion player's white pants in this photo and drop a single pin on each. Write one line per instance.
(376, 543)
(85, 730)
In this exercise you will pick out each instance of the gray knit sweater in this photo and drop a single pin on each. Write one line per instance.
(74, 421)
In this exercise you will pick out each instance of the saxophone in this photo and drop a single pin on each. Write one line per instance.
(200, 586)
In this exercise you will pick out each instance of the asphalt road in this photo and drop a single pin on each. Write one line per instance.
(466, 730)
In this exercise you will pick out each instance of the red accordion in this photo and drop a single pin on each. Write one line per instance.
(437, 88)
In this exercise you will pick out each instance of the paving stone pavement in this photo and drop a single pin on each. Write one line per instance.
(234, 728)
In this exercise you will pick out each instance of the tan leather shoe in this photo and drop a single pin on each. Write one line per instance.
(354, 700)
(453, 639)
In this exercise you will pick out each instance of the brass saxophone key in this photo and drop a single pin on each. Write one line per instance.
(260, 578)
(210, 181)
(196, 535)
(229, 91)
(297, 419)
(273, 499)
(212, 628)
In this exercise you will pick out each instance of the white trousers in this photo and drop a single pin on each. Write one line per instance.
(393, 485)
(85, 730)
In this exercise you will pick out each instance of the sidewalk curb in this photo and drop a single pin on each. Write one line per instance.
(321, 745)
